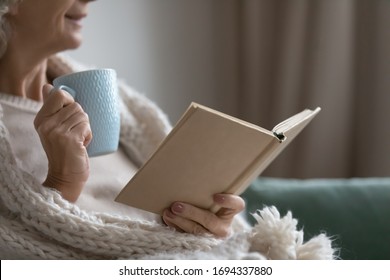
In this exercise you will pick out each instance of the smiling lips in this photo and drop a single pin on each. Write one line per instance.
(75, 18)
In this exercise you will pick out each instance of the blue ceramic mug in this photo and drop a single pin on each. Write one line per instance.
(97, 93)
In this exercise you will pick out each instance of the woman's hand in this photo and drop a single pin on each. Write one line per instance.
(191, 219)
(64, 130)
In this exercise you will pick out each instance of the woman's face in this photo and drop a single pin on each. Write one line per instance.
(48, 25)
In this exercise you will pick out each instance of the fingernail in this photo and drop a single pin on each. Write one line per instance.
(219, 198)
(177, 208)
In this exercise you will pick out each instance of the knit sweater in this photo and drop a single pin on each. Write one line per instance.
(37, 223)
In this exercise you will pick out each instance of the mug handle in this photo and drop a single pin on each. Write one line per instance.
(67, 89)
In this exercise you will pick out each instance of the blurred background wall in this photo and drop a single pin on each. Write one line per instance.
(262, 61)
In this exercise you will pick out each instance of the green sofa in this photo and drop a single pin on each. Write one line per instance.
(354, 212)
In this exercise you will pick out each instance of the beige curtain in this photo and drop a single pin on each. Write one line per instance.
(277, 57)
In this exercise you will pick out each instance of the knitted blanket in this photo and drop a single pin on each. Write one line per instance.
(37, 223)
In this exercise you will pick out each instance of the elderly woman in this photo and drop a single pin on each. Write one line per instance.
(34, 124)
(56, 203)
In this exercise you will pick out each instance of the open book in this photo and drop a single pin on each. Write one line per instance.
(208, 152)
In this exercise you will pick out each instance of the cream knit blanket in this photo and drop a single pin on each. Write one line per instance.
(37, 223)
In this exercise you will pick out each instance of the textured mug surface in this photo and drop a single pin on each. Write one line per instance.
(97, 93)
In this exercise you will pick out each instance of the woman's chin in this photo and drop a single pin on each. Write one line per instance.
(74, 42)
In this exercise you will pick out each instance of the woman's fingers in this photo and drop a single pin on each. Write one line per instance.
(230, 204)
(61, 115)
(194, 220)
(53, 103)
(46, 91)
(183, 224)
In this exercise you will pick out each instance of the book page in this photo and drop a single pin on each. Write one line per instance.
(295, 124)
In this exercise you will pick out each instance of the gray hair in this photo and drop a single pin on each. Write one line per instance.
(4, 26)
